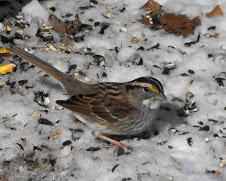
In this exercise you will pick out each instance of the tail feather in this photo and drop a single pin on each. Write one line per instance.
(44, 66)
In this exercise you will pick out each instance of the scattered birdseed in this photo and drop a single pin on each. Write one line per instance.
(211, 28)
(192, 42)
(220, 82)
(190, 142)
(22, 82)
(45, 122)
(93, 149)
(104, 26)
(119, 151)
(222, 163)
(205, 128)
(68, 142)
(113, 169)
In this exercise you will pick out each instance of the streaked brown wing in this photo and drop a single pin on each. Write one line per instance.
(97, 108)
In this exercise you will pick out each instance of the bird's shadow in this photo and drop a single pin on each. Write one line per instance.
(46, 80)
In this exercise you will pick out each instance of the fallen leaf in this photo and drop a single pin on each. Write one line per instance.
(170, 22)
(152, 7)
(179, 24)
(215, 12)
(67, 28)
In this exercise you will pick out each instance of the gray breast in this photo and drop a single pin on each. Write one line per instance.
(136, 124)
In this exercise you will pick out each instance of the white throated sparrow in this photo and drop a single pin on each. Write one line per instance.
(109, 108)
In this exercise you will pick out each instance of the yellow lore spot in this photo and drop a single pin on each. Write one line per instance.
(153, 88)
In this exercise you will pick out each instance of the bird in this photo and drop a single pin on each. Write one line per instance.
(108, 108)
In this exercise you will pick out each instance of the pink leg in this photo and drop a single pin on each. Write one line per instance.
(114, 142)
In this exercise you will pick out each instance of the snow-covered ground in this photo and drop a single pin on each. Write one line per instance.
(181, 147)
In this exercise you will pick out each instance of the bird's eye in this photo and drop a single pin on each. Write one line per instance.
(146, 89)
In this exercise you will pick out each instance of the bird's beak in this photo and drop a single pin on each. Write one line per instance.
(159, 96)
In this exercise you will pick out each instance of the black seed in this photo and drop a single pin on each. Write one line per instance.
(103, 28)
(52, 9)
(72, 67)
(113, 169)
(36, 148)
(220, 81)
(52, 162)
(190, 142)
(192, 42)
(122, 9)
(213, 120)
(18, 36)
(68, 15)
(91, 19)
(96, 23)
(200, 122)
(205, 128)
(154, 47)
(195, 126)
(86, 7)
(11, 84)
(119, 151)
(68, 142)
(184, 133)
(97, 56)
(79, 38)
(211, 28)
(67, 52)
(140, 62)
(93, 1)
(21, 147)
(104, 74)
(6, 163)
(93, 149)
(156, 66)
(126, 179)
(89, 53)
(191, 71)
(162, 142)
(28, 86)
(4, 40)
(45, 121)
(141, 48)
(116, 49)
(184, 74)
(22, 82)
(166, 71)
(210, 55)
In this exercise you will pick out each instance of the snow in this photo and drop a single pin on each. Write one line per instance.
(180, 150)
(35, 9)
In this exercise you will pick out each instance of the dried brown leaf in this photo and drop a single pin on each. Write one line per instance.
(215, 12)
(151, 5)
(179, 24)
(66, 28)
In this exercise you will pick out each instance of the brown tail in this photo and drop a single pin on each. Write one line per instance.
(71, 85)
(44, 66)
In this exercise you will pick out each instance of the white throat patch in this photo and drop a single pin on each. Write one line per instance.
(154, 104)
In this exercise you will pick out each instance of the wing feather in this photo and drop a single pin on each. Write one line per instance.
(105, 107)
